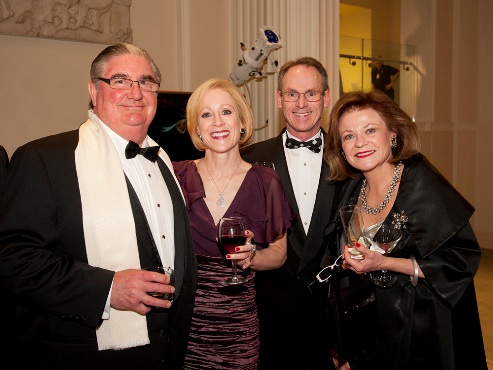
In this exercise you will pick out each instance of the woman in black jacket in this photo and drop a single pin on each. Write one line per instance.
(428, 319)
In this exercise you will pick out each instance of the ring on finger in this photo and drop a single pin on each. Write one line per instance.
(253, 249)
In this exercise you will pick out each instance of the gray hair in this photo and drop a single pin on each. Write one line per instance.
(98, 66)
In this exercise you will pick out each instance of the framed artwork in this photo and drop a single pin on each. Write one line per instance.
(100, 21)
(169, 127)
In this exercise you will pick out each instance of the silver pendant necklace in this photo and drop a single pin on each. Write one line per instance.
(362, 194)
(220, 202)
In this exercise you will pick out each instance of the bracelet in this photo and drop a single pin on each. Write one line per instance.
(414, 278)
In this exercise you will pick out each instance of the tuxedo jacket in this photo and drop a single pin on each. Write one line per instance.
(292, 319)
(305, 250)
(438, 233)
(59, 298)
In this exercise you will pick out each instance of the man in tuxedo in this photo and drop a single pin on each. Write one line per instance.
(83, 213)
(292, 320)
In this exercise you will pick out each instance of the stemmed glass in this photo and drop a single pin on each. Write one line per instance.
(231, 235)
(353, 229)
(387, 236)
(265, 164)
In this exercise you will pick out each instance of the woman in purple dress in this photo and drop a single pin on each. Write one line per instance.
(225, 331)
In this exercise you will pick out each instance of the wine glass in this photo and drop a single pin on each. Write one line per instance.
(387, 236)
(231, 235)
(353, 229)
(265, 164)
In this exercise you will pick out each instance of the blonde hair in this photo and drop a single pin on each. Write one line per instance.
(195, 102)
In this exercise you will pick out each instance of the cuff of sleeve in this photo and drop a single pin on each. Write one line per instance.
(106, 312)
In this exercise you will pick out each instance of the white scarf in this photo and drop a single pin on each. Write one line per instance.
(109, 228)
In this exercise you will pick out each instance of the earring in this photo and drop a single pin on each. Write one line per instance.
(200, 137)
(343, 155)
(393, 142)
(242, 131)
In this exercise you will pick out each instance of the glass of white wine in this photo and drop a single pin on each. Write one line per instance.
(386, 237)
(353, 229)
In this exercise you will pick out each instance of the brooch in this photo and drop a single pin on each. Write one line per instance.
(399, 220)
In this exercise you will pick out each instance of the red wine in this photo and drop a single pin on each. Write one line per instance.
(230, 242)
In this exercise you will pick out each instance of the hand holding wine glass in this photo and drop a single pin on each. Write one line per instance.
(387, 237)
(353, 229)
(232, 235)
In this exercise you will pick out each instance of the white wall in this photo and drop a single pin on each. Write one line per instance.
(43, 89)
(44, 81)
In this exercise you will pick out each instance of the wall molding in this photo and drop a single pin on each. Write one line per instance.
(99, 21)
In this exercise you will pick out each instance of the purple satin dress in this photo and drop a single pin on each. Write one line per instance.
(224, 332)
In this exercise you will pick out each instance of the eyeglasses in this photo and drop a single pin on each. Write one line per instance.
(310, 95)
(326, 273)
(122, 83)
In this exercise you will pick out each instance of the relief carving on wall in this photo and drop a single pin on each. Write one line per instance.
(101, 21)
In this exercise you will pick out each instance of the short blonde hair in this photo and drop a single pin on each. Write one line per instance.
(194, 105)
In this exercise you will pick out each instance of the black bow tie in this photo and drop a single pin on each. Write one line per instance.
(133, 149)
(314, 145)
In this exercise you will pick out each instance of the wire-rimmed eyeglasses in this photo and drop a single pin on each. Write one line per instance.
(326, 273)
(122, 83)
(310, 95)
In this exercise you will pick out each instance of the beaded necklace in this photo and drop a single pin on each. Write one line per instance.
(362, 194)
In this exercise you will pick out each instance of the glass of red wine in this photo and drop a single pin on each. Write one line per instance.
(231, 235)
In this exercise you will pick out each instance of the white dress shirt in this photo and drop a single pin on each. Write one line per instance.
(147, 181)
(304, 170)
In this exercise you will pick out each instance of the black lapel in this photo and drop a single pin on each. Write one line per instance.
(183, 236)
(144, 235)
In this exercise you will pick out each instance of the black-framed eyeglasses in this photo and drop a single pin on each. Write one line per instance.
(310, 95)
(122, 83)
(326, 273)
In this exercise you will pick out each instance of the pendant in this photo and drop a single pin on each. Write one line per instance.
(220, 202)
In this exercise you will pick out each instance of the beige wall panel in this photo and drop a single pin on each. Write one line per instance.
(426, 142)
(465, 75)
(442, 152)
(44, 84)
(209, 41)
(465, 168)
(443, 61)
(483, 182)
